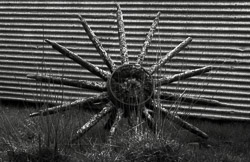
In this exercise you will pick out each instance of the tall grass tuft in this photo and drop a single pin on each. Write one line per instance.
(47, 139)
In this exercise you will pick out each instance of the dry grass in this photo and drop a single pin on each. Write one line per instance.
(47, 139)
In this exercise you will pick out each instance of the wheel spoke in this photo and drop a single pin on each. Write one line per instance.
(190, 99)
(130, 121)
(93, 121)
(177, 120)
(146, 115)
(111, 120)
(81, 102)
(66, 52)
(170, 54)
(106, 58)
(184, 75)
(118, 118)
(122, 36)
(151, 104)
(69, 82)
(148, 40)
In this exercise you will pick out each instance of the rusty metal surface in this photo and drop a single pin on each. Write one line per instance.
(220, 32)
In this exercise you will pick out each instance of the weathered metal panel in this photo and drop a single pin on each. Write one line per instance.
(220, 32)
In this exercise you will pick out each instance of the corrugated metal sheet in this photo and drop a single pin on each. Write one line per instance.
(220, 32)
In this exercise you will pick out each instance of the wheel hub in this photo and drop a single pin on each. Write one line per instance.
(130, 86)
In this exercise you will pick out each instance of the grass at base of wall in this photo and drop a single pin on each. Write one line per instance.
(47, 139)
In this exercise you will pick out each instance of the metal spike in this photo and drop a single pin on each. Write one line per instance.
(151, 123)
(182, 76)
(148, 40)
(192, 99)
(115, 124)
(170, 54)
(69, 82)
(122, 36)
(92, 68)
(111, 120)
(177, 120)
(68, 106)
(106, 58)
(93, 121)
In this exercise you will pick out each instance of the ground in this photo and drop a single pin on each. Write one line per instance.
(47, 139)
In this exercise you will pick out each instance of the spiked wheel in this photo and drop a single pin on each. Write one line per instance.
(129, 88)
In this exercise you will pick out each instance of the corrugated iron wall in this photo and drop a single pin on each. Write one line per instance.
(220, 32)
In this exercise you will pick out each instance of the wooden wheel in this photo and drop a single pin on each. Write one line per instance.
(124, 88)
